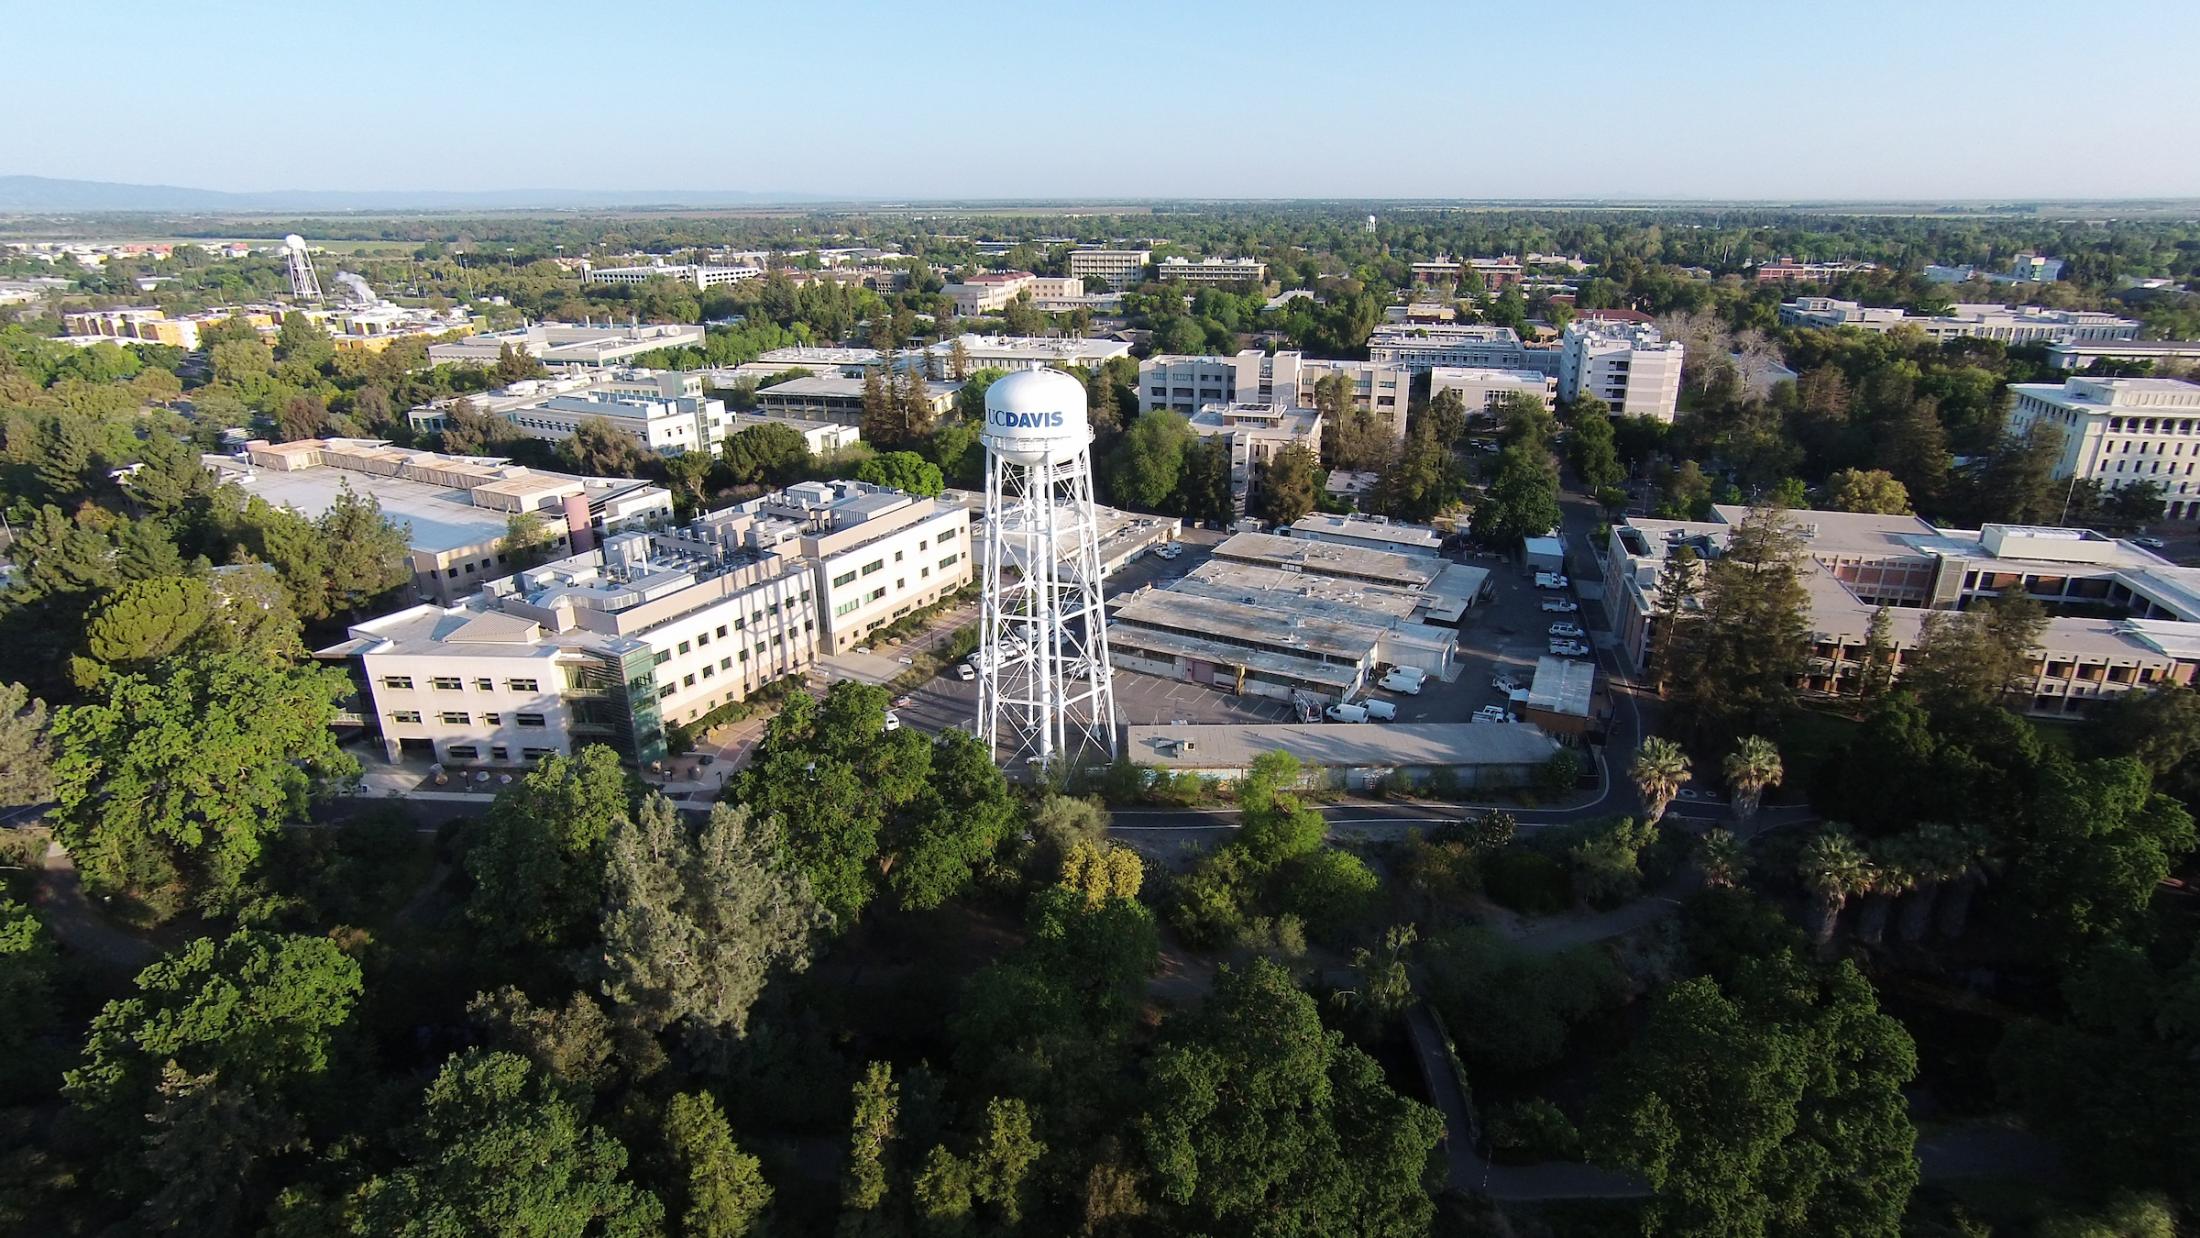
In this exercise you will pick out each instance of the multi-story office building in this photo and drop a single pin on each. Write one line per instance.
(1629, 366)
(564, 343)
(1788, 270)
(877, 554)
(1494, 274)
(1252, 434)
(991, 291)
(692, 274)
(1481, 389)
(2123, 617)
(2010, 324)
(823, 438)
(1022, 352)
(1285, 379)
(663, 410)
(609, 646)
(1121, 268)
(1421, 347)
(2159, 354)
(2121, 430)
(456, 511)
(614, 645)
(1212, 271)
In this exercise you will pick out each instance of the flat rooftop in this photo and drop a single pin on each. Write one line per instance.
(1409, 538)
(435, 518)
(1308, 670)
(1332, 559)
(1255, 626)
(1346, 745)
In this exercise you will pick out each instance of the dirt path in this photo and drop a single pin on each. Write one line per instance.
(68, 912)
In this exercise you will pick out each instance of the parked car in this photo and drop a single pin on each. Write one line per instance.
(1561, 606)
(1504, 683)
(1398, 680)
(1346, 713)
(1169, 550)
(1551, 580)
(2151, 543)
(1568, 629)
(1492, 713)
(965, 672)
(904, 702)
(1569, 649)
(893, 721)
(1380, 711)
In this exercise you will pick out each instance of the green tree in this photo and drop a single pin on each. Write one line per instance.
(1594, 450)
(1289, 485)
(1970, 661)
(536, 857)
(1725, 1104)
(1420, 481)
(527, 542)
(1876, 673)
(1205, 493)
(1722, 858)
(1607, 861)
(693, 927)
(498, 1149)
(260, 1012)
(1521, 500)
(1737, 670)
(725, 1192)
(768, 453)
(1867, 490)
(902, 470)
(181, 776)
(27, 971)
(1259, 1117)
(1148, 464)
(1511, 1009)
(868, 1173)
(26, 755)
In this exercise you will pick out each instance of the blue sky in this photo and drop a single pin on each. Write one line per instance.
(1767, 99)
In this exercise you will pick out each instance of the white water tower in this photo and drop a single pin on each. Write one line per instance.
(304, 284)
(1045, 689)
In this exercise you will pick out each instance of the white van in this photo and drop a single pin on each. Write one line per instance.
(1346, 713)
(1402, 679)
(1380, 711)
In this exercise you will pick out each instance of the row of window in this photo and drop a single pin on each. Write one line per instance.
(497, 752)
(451, 683)
(453, 717)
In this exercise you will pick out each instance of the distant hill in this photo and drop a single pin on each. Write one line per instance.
(41, 194)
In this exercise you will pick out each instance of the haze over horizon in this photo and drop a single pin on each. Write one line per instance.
(1712, 102)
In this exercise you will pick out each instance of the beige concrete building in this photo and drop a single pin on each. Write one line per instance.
(1252, 434)
(2124, 618)
(2119, 431)
(991, 291)
(2009, 324)
(456, 511)
(1482, 389)
(1121, 268)
(564, 344)
(1629, 366)
(1211, 272)
(1285, 379)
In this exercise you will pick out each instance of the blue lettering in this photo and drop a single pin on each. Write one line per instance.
(1027, 421)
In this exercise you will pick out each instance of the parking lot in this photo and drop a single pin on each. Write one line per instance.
(1508, 632)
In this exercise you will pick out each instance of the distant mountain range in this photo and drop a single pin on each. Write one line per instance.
(43, 194)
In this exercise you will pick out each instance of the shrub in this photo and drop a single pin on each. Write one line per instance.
(1533, 1130)
(1330, 890)
(1528, 882)
(1560, 773)
(1513, 1010)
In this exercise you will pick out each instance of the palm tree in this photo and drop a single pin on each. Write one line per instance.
(1835, 869)
(1721, 858)
(1936, 855)
(1750, 768)
(1659, 770)
(1894, 872)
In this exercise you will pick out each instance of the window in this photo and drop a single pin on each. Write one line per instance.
(702, 639)
(664, 692)
(464, 752)
(897, 556)
(843, 578)
(847, 606)
(448, 683)
(709, 672)
(725, 664)
(874, 595)
(522, 685)
(493, 719)
(873, 566)
(744, 655)
(405, 715)
(663, 656)
(452, 717)
(950, 561)
(486, 685)
(683, 646)
(530, 721)
(687, 681)
(397, 681)
(721, 631)
(536, 754)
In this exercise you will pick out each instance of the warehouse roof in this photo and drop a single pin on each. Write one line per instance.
(1346, 745)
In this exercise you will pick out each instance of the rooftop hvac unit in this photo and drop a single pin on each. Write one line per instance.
(1187, 745)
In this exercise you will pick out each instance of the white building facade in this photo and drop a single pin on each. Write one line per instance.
(2118, 431)
(1121, 268)
(1482, 389)
(1629, 366)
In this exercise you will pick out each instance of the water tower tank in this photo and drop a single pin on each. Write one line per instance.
(1035, 417)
